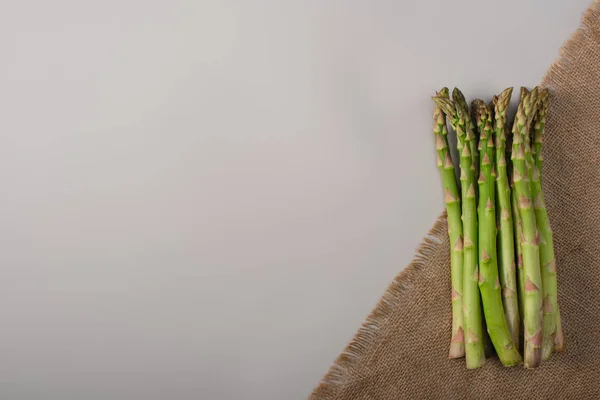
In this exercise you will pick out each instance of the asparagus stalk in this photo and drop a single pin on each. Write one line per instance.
(539, 125)
(453, 209)
(547, 260)
(531, 105)
(530, 241)
(506, 253)
(489, 282)
(518, 236)
(474, 353)
(488, 346)
(459, 100)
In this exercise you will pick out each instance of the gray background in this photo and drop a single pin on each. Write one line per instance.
(204, 199)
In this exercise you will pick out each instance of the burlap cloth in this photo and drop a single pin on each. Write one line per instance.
(401, 350)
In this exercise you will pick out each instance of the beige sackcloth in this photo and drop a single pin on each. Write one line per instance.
(401, 351)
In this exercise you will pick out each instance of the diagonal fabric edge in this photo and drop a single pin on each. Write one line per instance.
(572, 47)
(390, 301)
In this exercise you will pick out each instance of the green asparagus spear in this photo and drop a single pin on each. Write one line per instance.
(489, 282)
(474, 353)
(539, 124)
(547, 261)
(453, 210)
(518, 237)
(461, 103)
(530, 242)
(506, 252)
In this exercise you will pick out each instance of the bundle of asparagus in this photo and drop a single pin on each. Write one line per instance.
(503, 271)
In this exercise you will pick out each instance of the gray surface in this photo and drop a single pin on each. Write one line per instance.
(204, 199)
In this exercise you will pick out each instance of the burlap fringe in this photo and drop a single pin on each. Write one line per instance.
(390, 301)
(571, 50)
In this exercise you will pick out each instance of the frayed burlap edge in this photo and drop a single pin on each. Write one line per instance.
(392, 298)
(573, 47)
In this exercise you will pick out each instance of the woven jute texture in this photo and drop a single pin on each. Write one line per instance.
(401, 350)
